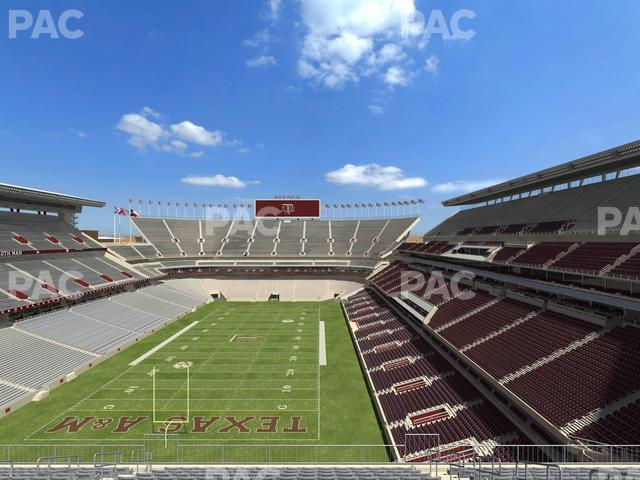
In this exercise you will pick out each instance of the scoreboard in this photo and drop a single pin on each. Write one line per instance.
(283, 208)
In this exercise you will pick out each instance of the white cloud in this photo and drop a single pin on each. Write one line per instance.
(391, 52)
(261, 61)
(176, 138)
(150, 112)
(348, 39)
(218, 181)
(259, 147)
(463, 186)
(376, 109)
(273, 9)
(197, 134)
(175, 146)
(198, 154)
(432, 64)
(142, 133)
(374, 175)
(396, 76)
(78, 133)
(259, 39)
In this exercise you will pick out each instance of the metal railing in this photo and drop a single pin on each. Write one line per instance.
(175, 451)
(178, 451)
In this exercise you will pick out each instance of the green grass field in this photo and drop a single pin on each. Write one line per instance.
(255, 379)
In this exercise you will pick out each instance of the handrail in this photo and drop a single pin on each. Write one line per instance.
(147, 459)
(547, 466)
(69, 459)
(114, 466)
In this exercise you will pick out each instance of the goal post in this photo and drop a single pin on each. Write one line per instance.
(167, 423)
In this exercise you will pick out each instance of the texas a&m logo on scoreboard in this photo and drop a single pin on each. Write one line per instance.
(296, 208)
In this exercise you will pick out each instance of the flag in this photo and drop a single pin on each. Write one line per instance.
(420, 200)
(378, 205)
(413, 202)
(134, 214)
(335, 206)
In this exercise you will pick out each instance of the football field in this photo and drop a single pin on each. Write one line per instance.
(231, 373)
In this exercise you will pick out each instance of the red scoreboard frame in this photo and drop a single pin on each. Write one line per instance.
(287, 208)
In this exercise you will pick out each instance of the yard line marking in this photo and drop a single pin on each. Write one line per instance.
(323, 347)
(160, 345)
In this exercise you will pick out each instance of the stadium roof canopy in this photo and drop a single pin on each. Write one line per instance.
(30, 198)
(614, 159)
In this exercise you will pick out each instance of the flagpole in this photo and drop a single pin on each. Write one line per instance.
(114, 226)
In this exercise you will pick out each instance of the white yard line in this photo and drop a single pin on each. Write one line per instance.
(323, 346)
(160, 345)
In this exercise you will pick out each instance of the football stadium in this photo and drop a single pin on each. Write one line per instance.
(507, 335)
(319, 240)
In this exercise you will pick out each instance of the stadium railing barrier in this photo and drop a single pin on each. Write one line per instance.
(177, 452)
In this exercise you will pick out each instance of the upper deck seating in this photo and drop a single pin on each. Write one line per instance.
(550, 211)
(593, 256)
(541, 253)
(28, 232)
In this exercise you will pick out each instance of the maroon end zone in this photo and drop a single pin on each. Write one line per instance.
(287, 208)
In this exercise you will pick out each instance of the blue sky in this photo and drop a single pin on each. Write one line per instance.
(343, 100)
